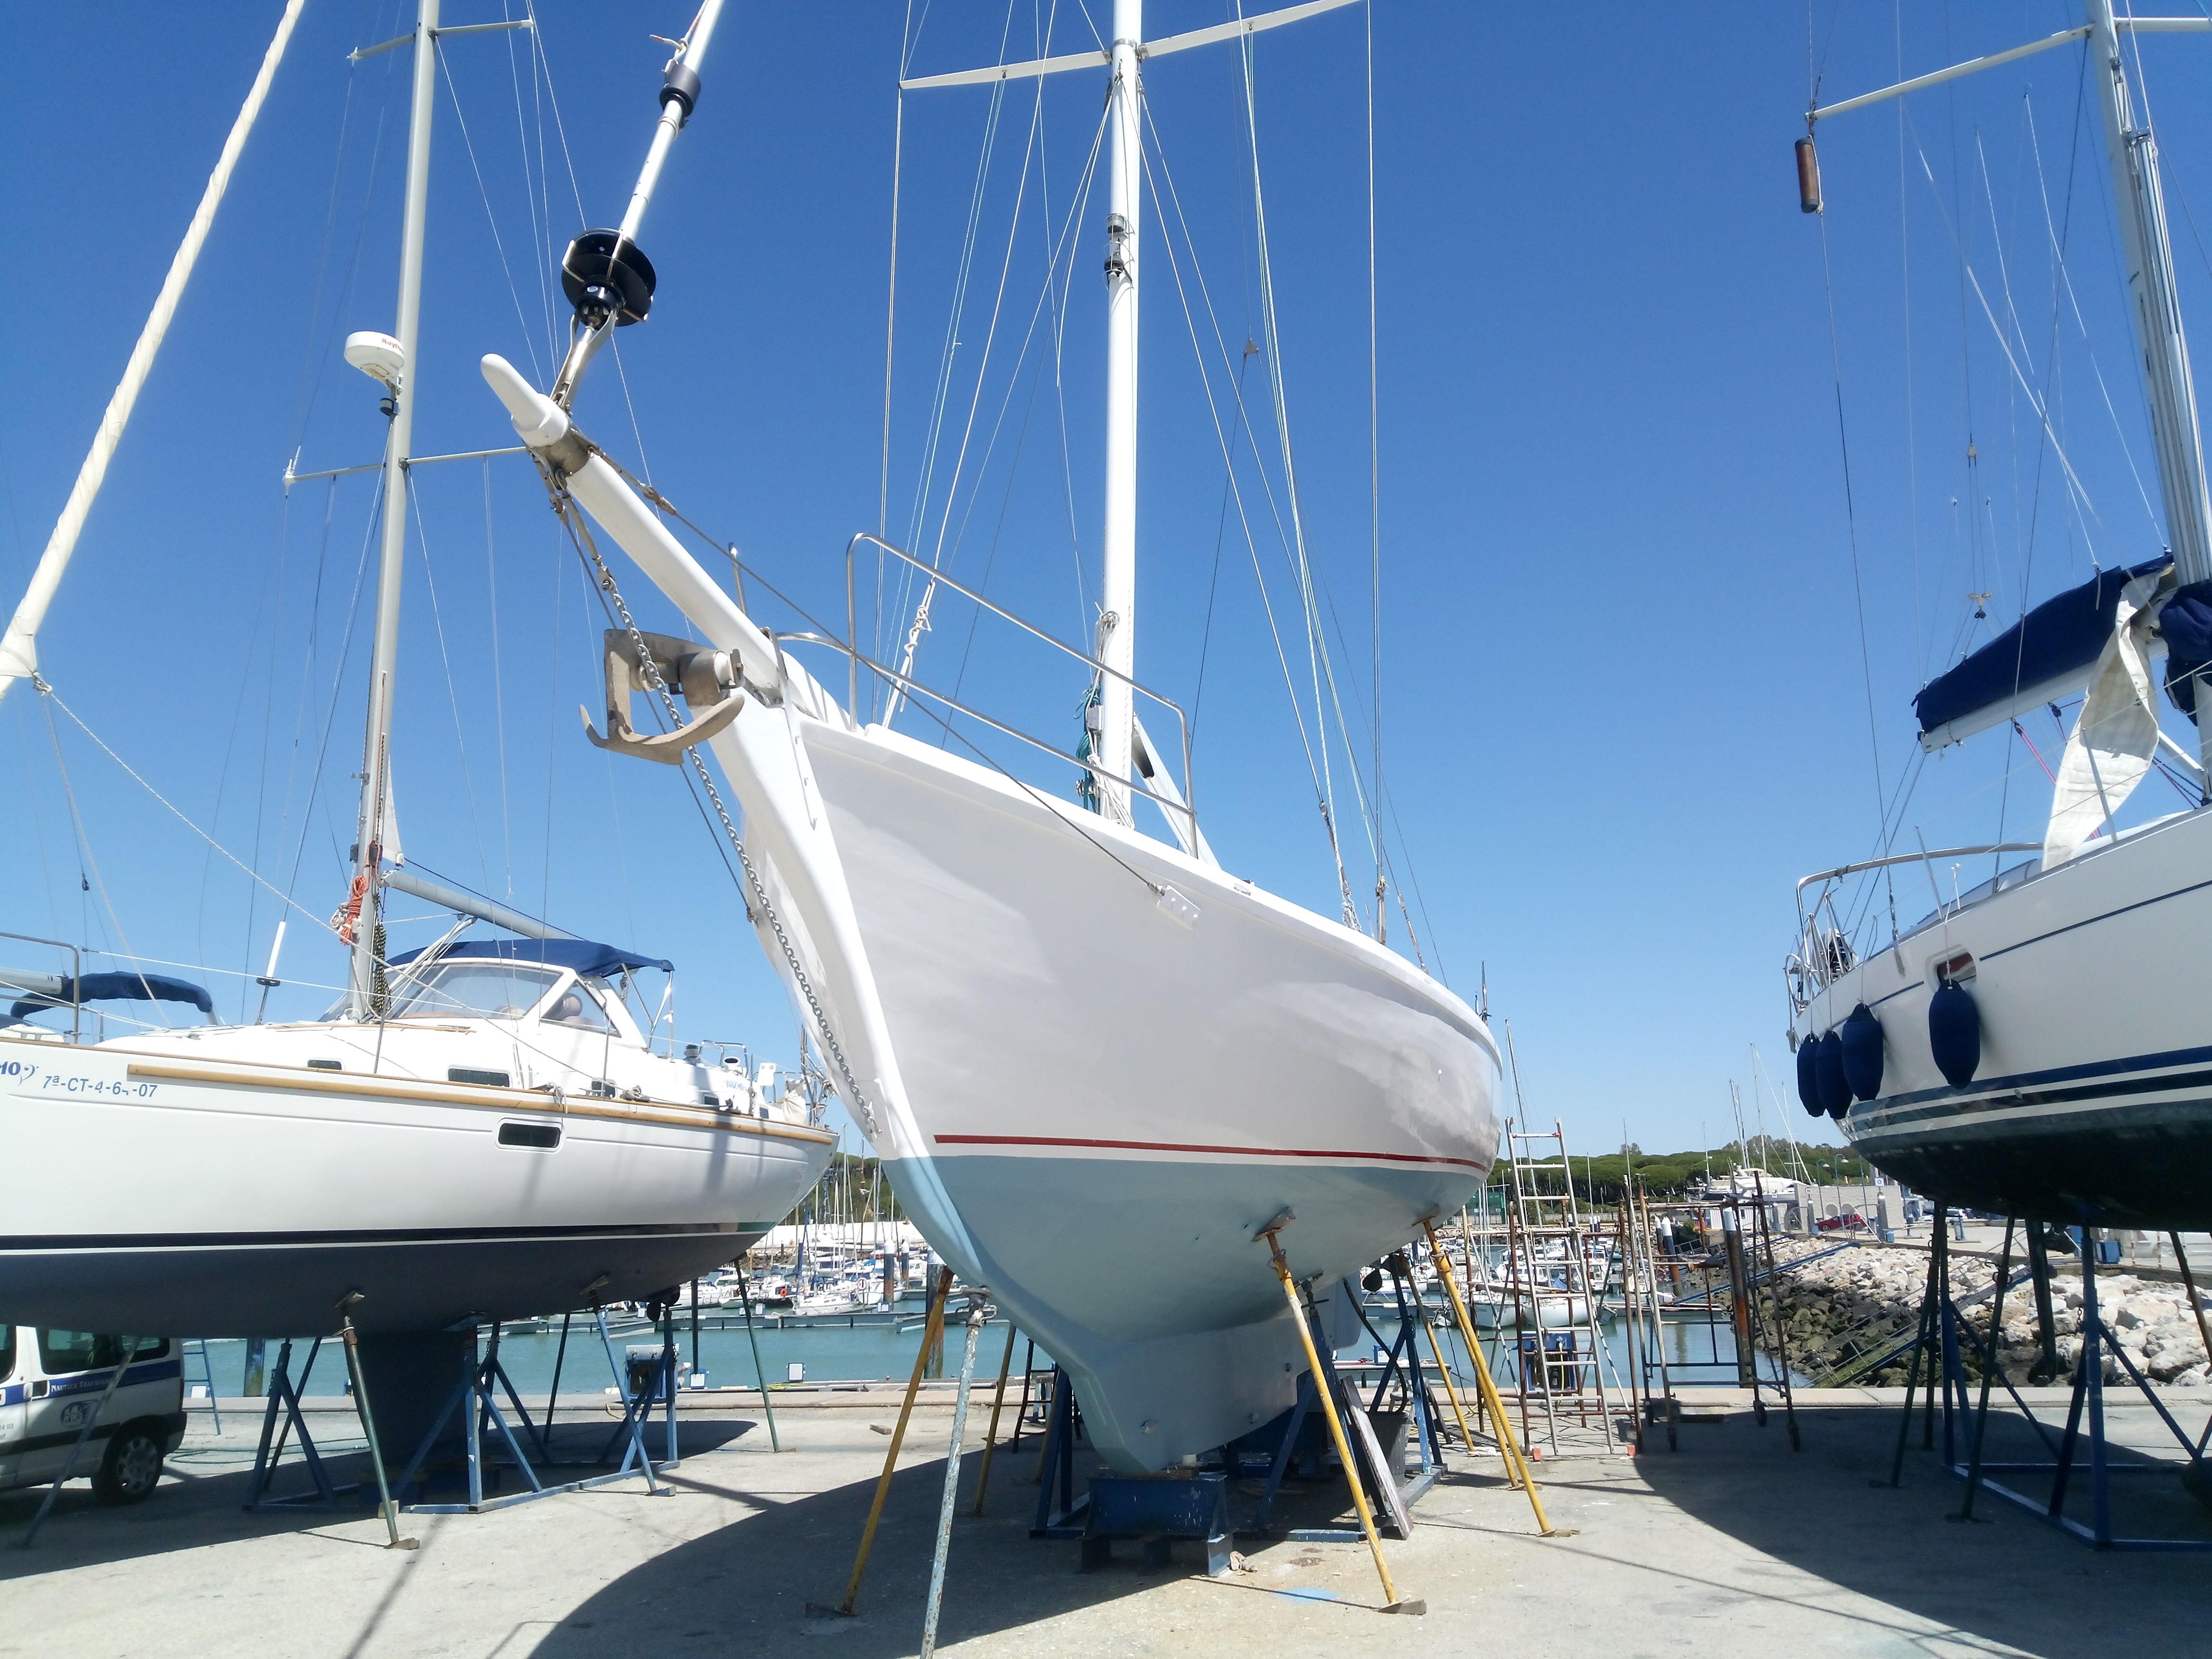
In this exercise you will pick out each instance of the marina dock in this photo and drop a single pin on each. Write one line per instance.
(1732, 1544)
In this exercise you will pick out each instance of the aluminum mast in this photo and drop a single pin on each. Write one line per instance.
(2139, 202)
(374, 820)
(2168, 386)
(1117, 635)
(1117, 620)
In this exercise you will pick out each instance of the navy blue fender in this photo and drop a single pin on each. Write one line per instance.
(1861, 1052)
(1954, 1033)
(1809, 1076)
(1835, 1091)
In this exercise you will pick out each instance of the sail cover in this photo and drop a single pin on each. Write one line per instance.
(2048, 654)
(113, 988)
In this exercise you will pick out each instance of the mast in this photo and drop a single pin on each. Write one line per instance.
(1117, 637)
(1108, 755)
(373, 821)
(2139, 204)
(2167, 385)
(19, 654)
(2149, 254)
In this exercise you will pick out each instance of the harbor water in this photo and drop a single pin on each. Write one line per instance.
(866, 1346)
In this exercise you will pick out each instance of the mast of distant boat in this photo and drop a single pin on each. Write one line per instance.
(19, 649)
(2139, 203)
(2166, 379)
(373, 819)
(395, 363)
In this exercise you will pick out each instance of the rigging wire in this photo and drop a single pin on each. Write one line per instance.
(1852, 523)
(1316, 645)
(963, 269)
(1222, 439)
(48, 695)
(1220, 536)
(1066, 244)
(491, 219)
(1966, 268)
(1374, 491)
(891, 301)
(498, 688)
(1911, 400)
(446, 662)
(337, 678)
(2058, 239)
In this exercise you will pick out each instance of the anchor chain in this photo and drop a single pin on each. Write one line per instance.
(564, 504)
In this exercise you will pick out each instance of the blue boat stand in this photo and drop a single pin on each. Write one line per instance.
(1155, 1510)
(2087, 1400)
(482, 1380)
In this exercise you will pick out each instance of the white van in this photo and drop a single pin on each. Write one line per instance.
(52, 1381)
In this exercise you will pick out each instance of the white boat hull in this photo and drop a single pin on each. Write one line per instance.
(401, 1189)
(1552, 1313)
(1108, 1102)
(1090, 1093)
(2092, 1103)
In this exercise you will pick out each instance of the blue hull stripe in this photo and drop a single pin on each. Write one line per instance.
(2026, 1081)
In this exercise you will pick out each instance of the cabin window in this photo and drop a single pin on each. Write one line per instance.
(481, 1080)
(325, 1066)
(543, 1136)
(579, 1010)
(474, 989)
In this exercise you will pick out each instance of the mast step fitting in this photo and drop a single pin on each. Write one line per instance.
(602, 273)
(707, 679)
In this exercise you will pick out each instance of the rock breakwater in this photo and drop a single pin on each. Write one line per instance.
(1842, 1307)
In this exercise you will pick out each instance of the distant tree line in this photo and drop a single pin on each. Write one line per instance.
(1602, 1180)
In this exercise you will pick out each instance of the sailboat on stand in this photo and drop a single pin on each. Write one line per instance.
(1095, 1063)
(482, 1129)
(2038, 1045)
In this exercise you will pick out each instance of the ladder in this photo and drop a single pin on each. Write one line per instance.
(1558, 1268)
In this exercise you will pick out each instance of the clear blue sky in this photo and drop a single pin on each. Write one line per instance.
(1624, 693)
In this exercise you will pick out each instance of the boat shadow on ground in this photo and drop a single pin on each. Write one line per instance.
(2005, 1577)
(751, 1582)
(200, 1502)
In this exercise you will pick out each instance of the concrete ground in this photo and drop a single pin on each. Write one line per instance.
(1734, 1544)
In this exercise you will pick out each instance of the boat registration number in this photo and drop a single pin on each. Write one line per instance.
(30, 1075)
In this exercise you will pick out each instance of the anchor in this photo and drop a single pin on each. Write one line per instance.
(707, 677)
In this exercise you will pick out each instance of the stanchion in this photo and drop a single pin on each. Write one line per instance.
(1272, 1233)
(932, 1329)
(1516, 1465)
